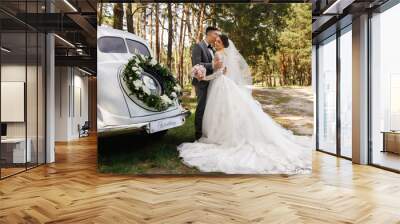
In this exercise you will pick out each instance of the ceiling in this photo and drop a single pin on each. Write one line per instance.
(74, 22)
(330, 15)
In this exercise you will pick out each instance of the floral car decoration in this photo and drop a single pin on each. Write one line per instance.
(132, 76)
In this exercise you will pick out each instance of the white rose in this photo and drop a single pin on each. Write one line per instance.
(146, 90)
(173, 94)
(137, 83)
(177, 88)
(166, 100)
(137, 69)
(137, 60)
(162, 98)
(153, 62)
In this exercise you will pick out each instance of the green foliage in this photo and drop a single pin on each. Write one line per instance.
(275, 40)
(295, 45)
(254, 28)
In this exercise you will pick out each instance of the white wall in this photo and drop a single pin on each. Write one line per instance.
(80, 111)
(33, 126)
(62, 81)
(71, 102)
(16, 72)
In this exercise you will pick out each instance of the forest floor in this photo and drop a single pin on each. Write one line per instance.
(290, 107)
(141, 154)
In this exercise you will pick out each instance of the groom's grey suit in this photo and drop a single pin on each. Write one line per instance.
(201, 55)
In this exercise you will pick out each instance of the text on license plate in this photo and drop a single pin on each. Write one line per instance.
(165, 124)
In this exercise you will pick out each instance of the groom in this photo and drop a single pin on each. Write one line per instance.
(203, 53)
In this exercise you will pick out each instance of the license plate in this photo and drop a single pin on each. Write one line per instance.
(164, 124)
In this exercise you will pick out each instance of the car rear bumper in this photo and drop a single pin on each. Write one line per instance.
(129, 128)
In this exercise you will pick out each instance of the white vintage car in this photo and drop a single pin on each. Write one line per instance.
(116, 110)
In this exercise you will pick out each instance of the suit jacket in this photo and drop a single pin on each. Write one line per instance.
(201, 55)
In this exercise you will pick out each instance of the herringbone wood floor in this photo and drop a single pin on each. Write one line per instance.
(71, 191)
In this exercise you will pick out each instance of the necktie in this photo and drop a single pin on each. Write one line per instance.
(212, 49)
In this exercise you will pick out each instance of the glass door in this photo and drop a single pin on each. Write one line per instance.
(22, 78)
(385, 89)
(327, 95)
(14, 144)
(346, 92)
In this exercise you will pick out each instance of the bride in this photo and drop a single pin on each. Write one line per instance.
(238, 137)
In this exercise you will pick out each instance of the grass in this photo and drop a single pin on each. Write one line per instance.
(140, 153)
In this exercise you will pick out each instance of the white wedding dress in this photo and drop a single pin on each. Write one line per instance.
(238, 137)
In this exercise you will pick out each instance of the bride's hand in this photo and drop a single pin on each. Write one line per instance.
(199, 77)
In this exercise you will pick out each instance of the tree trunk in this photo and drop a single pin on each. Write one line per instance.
(214, 19)
(157, 34)
(100, 14)
(118, 16)
(195, 27)
(189, 14)
(129, 18)
(281, 69)
(138, 28)
(180, 72)
(269, 80)
(183, 47)
(162, 38)
(144, 21)
(169, 48)
(199, 35)
(151, 28)
(176, 35)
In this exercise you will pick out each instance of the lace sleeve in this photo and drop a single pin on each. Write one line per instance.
(213, 75)
(219, 71)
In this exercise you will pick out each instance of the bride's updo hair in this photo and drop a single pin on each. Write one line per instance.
(225, 40)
